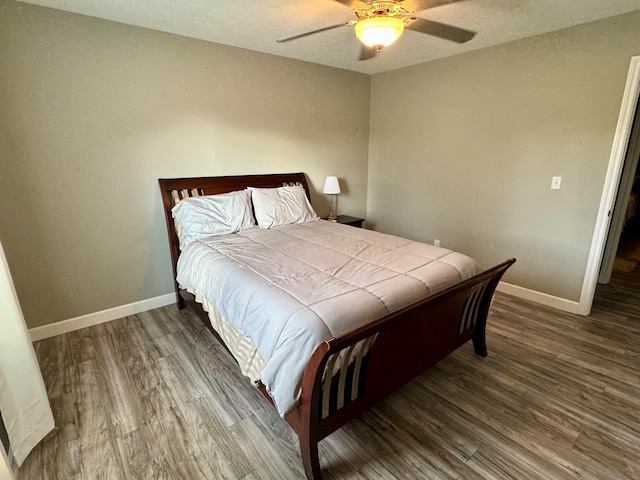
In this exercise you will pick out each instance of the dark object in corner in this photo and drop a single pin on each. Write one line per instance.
(4, 436)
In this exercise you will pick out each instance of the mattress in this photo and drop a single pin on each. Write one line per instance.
(290, 288)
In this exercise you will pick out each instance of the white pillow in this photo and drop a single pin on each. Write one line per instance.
(198, 217)
(281, 206)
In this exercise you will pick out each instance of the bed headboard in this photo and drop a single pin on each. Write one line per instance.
(174, 189)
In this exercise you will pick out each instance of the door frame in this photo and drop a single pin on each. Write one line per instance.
(620, 208)
(611, 183)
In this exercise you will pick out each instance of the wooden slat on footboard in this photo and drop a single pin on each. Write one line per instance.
(343, 385)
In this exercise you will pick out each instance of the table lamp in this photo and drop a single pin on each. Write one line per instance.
(332, 188)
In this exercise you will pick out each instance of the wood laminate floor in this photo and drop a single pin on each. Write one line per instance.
(153, 396)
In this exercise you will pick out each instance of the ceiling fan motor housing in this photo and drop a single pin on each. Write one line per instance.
(381, 9)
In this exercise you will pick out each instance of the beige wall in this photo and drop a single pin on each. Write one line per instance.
(94, 112)
(463, 149)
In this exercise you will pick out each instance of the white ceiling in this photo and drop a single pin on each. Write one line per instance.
(255, 25)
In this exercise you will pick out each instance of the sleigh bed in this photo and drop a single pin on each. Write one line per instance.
(387, 334)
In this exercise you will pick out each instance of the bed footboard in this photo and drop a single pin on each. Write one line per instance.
(386, 354)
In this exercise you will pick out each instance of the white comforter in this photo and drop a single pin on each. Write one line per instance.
(290, 288)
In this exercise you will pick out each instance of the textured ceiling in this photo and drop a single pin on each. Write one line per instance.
(255, 25)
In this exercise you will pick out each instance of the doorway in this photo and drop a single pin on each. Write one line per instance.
(622, 249)
(619, 150)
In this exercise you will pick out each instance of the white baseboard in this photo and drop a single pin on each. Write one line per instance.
(64, 326)
(539, 297)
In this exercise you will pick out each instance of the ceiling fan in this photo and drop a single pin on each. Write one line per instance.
(379, 24)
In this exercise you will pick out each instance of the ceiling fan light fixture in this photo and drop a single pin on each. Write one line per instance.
(379, 32)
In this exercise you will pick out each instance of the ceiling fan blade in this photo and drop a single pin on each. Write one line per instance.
(318, 30)
(441, 30)
(367, 53)
(418, 5)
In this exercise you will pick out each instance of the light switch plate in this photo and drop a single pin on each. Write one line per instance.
(555, 183)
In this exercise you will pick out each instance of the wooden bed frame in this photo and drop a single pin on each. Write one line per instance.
(389, 352)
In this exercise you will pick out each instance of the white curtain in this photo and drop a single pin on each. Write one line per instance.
(5, 470)
(23, 398)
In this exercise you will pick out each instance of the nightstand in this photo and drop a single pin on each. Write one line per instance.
(347, 220)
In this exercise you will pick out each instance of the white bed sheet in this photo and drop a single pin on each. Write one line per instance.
(290, 288)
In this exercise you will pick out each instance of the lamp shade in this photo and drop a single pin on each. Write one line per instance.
(379, 31)
(331, 186)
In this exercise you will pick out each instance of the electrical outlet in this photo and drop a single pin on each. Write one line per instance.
(436, 242)
(555, 183)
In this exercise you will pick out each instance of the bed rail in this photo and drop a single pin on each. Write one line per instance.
(386, 354)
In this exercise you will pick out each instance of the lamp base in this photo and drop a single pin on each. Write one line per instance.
(333, 208)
